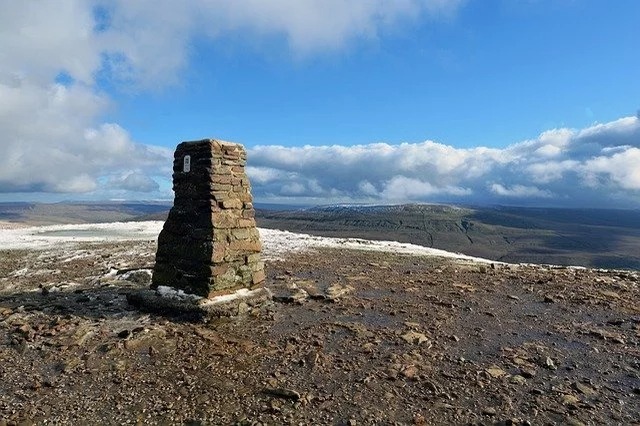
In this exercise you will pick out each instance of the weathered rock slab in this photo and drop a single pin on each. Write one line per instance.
(175, 303)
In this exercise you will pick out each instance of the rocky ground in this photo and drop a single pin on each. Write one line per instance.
(352, 338)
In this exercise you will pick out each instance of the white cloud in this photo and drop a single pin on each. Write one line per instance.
(55, 140)
(401, 188)
(548, 151)
(621, 169)
(596, 166)
(294, 188)
(51, 143)
(519, 191)
(133, 181)
(38, 37)
(367, 188)
(52, 138)
(321, 24)
(549, 171)
(262, 175)
(53, 135)
(147, 41)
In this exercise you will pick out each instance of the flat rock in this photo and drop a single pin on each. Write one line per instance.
(199, 309)
(496, 372)
(414, 337)
(337, 290)
(283, 393)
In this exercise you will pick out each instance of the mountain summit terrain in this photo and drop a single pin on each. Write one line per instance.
(358, 332)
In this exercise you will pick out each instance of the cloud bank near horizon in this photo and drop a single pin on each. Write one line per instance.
(598, 166)
(55, 140)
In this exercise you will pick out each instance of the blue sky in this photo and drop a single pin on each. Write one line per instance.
(527, 102)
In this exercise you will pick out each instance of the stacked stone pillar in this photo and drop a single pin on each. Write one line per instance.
(209, 244)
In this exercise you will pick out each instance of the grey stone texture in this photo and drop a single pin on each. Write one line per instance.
(209, 244)
(200, 310)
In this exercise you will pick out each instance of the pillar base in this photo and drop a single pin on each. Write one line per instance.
(175, 303)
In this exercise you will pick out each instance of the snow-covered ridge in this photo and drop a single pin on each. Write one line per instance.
(275, 243)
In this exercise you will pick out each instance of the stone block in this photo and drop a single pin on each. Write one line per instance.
(257, 266)
(246, 223)
(222, 179)
(245, 197)
(245, 246)
(227, 219)
(220, 250)
(241, 233)
(258, 278)
(232, 203)
(220, 195)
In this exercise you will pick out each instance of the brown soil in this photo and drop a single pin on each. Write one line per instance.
(351, 338)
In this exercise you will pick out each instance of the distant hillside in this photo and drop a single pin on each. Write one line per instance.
(78, 212)
(62, 213)
(587, 237)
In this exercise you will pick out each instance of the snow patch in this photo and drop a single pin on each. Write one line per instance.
(173, 293)
(129, 274)
(276, 243)
(239, 294)
(111, 273)
(20, 272)
(47, 237)
(80, 254)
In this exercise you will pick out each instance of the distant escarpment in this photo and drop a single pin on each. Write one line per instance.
(584, 237)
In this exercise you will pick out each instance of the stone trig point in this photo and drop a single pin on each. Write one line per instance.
(209, 244)
(209, 247)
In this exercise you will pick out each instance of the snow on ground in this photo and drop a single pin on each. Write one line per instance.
(10, 225)
(276, 243)
(48, 237)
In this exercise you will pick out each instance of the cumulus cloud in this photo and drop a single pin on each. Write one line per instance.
(622, 169)
(134, 181)
(147, 41)
(519, 191)
(54, 138)
(401, 188)
(596, 166)
(55, 54)
(51, 142)
(38, 37)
